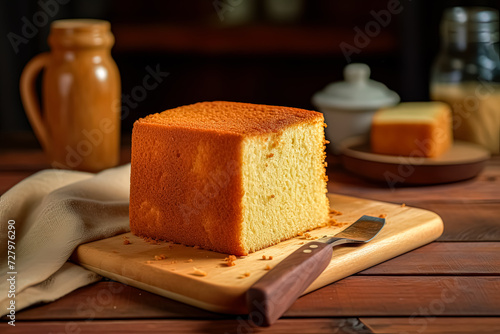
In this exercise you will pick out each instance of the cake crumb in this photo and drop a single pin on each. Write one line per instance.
(335, 223)
(124, 237)
(173, 262)
(270, 257)
(327, 142)
(199, 272)
(307, 235)
(268, 267)
(160, 257)
(335, 212)
(270, 155)
(300, 234)
(246, 274)
(189, 261)
(272, 196)
(403, 205)
(382, 215)
(151, 240)
(126, 242)
(301, 243)
(264, 257)
(230, 260)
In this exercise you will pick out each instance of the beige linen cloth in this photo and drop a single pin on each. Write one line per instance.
(54, 212)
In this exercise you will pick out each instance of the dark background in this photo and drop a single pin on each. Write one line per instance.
(261, 60)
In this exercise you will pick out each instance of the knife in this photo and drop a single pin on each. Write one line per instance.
(276, 291)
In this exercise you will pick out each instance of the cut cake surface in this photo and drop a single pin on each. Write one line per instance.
(226, 176)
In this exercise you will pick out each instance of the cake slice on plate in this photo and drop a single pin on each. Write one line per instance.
(226, 176)
(412, 129)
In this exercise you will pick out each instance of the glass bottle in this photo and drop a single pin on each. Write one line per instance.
(466, 74)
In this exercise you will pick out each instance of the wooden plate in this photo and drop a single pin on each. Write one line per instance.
(463, 161)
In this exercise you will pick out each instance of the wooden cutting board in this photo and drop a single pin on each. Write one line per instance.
(223, 288)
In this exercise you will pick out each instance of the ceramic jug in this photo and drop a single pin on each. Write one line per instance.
(79, 124)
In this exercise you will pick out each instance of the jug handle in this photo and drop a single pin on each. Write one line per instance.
(30, 99)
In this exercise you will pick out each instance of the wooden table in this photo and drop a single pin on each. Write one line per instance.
(451, 285)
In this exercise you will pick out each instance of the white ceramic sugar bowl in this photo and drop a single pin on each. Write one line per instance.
(348, 106)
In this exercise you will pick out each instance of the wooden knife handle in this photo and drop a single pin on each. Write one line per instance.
(273, 294)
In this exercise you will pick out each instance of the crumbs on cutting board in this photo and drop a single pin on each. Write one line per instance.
(199, 272)
(334, 212)
(403, 205)
(382, 215)
(230, 260)
(247, 274)
(333, 222)
(308, 236)
(268, 267)
(151, 240)
(160, 257)
(126, 242)
(270, 257)
(189, 261)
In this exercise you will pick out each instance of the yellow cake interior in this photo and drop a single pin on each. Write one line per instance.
(284, 185)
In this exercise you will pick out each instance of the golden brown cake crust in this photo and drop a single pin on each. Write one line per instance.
(232, 117)
(160, 187)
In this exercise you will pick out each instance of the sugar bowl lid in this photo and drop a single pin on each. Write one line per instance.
(357, 92)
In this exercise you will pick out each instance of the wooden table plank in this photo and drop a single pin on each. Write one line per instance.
(468, 221)
(417, 325)
(304, 326)
(114, 300)
(353, 296)
(10, 179)
(35, 160)
(444, 258)
(402, 296)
